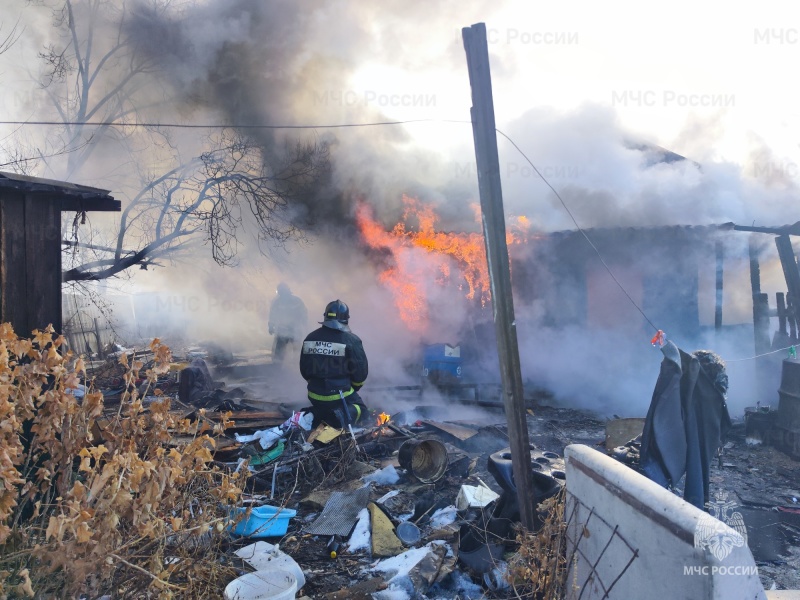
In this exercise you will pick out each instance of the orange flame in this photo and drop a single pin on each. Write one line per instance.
(447, 255)
(383, 419)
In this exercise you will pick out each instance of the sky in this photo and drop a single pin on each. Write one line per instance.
(571, 83)
(704, 79)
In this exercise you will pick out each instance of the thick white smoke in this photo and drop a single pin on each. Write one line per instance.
(287, 62)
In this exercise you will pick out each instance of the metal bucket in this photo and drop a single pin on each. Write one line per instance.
(424, 459)
(789, 394)
(786, 433)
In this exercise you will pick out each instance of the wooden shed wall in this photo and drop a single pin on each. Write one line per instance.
(30, 260)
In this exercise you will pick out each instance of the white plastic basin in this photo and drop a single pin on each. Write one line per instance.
(262, 585)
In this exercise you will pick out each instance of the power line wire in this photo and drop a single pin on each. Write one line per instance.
(228, 125)
(759, 355)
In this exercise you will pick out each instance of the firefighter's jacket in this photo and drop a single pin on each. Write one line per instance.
(332, 361)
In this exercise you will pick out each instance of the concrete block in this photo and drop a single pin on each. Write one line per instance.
(630, 538)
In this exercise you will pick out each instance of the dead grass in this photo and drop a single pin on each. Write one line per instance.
(538, 570)
(90, 510)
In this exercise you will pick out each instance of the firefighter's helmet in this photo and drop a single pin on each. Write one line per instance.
(336, 316)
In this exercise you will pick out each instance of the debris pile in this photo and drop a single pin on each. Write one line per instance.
(194, 489)
(408, 507)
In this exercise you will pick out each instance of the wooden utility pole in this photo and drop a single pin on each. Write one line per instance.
(718, 304)
(494, 235)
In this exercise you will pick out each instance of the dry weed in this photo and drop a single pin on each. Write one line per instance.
(92, 506)
(538, 570)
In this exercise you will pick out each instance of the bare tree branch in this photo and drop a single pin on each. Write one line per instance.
(227, 185)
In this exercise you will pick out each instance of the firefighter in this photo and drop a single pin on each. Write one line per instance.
(287, 321)
(334, 364)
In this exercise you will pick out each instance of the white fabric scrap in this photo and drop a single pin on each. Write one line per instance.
(266, 437)
(299, 420)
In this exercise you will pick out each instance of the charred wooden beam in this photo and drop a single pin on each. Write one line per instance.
(760, 303)
(785, 230)
(761, 323)
(790, 272)
(782, 314)
(755, 268)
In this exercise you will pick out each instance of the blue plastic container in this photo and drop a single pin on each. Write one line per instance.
(441, 360)
(263, 521)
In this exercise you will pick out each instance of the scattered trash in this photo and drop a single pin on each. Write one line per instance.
(299, 419)
(457, 431)
(266, 438)
(547, 473)
(267, 457)
(497, 579)
(477, 553)
(263, 556)
(424, 459)
(262, 585)
(384, 541)
(440, 541)
(263, 521)
(386, 476)
(408, 533)
(415, 570)
(470, 496)
(444, 516)
(324, 434)
(333, 546)
(340, 513)
(360, 538)
(387, 496)
(78, 391)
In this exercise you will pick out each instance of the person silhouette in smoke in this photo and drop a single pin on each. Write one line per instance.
(288, 319)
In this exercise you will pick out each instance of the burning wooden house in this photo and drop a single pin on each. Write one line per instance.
(674, 274)
(693, 282)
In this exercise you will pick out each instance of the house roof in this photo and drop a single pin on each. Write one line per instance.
(778, 230)
(645, 230)
(626, 244)
(73, 197)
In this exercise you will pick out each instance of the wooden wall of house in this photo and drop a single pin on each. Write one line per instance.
(30, 260)
(658, 267)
